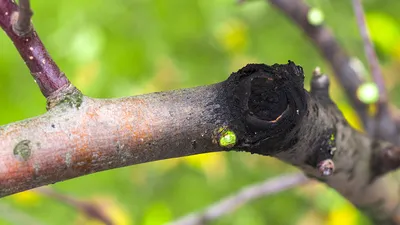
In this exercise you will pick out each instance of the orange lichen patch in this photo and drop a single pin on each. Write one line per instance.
(59, 159)
(82, 161)
(82, 156)
(11, 132)
(137, 120)
(92, 114)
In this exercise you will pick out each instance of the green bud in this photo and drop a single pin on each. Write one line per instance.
(368, 93)
(315, 16)
(227, 139)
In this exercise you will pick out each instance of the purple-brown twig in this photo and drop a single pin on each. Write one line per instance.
(15, 21)
(369, 50)
(384, 126)
(90, 209)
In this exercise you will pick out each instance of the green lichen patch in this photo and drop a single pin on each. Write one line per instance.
(73, 99)
(68, 96)
(332, 144)
(22, 150)
(226, 137)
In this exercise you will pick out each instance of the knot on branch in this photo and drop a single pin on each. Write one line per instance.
(270, 101)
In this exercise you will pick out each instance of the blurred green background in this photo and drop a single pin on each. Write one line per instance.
(127, 47)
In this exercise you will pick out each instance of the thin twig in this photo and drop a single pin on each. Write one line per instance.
(330, 49)
(88, 208)
(369, 50)
(14, 216)
(233, 202)
(384, 126)
(15, 21)
(23, 26)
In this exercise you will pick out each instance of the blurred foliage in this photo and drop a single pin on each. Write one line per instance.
(128, 47)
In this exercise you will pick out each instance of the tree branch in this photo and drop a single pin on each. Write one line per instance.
(90, 209)
(247, 194)
(330, 49)
(16, 23)
(23, 26)
(369, 50)
(384, 127)
(259, 109)
(384, 124)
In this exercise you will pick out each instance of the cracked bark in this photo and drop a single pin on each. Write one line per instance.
(265, 106)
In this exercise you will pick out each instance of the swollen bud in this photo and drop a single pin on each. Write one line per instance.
(368, 93)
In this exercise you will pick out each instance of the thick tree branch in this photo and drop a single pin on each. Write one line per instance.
(70, 141)
(16, 23)
(233, 202)
(259, 109)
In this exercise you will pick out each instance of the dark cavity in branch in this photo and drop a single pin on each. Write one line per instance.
(271, 102)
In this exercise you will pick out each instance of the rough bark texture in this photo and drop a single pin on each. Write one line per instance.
(265, 107)
(73, 140)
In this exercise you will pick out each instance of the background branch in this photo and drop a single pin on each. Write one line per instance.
(384, 124)
(90, 209)
(331, 51)
(369, 51)
(231, 203)
(340, 62)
